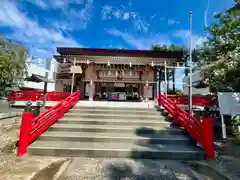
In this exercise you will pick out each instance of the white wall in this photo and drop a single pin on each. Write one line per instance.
(196, 77)
(36, 69)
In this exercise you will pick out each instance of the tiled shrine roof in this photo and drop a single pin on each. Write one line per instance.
(119, 52)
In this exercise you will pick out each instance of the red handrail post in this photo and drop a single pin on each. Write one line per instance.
(208, 138)
(26, 127)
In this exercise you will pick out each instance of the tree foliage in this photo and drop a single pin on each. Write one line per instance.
(170, 48)
(220, 54)
(12, 61)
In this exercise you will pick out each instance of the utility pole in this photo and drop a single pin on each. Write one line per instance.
(190, 67)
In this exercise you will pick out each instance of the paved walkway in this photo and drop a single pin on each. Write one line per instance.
(123, 169)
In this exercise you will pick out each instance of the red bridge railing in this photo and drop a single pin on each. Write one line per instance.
(196, 100)
(31, 95)
(201, 131)
(32, 128)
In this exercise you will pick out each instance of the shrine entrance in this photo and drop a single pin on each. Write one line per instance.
(117, 91)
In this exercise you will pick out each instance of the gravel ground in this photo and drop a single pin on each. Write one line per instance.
(11, 167)
(126, 169)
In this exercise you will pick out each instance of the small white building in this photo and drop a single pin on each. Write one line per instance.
(196, 89)
(37, 70)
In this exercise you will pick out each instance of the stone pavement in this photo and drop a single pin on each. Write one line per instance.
(124, 169)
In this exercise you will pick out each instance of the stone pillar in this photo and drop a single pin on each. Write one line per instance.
(92, 90)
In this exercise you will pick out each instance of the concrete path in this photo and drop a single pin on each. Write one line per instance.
(121, 169)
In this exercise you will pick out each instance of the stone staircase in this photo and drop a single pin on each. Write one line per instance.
(122, 132)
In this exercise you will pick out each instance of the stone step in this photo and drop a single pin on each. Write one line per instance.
(113, 122)
(137, 138)
(110, 128)
(115, 111)
(120, 150)
(113, 116)
(116, 108)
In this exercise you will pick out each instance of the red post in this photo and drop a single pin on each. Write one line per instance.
(208, 138)
(26, 127)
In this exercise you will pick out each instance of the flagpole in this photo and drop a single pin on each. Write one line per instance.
(190, 66)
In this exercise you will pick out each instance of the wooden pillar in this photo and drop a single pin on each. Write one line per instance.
(146, 91)
(92, 90)
(173, 79)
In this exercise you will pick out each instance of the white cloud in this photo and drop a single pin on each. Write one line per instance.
(172, 22)
(109, 12)
(139, 42)
(78, 18)
(30, 32)
(117, 14)
(55, 4)
(106, 12)
(196, 39)
(141, 25)
(126, 16)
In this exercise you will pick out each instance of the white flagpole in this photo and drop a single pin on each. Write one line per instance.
(190, 66)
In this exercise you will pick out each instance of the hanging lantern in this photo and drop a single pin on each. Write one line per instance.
(130, 73)
(108, 63)
(130, 64)
(116, 73)
(152, 64)
(64, 60)
(87, 61)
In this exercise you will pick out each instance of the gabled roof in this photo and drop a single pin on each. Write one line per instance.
(36, 78)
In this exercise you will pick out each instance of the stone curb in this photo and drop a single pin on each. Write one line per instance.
(9, 115)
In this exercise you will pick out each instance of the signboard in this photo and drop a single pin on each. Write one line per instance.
(119, 85)
(229, 103)
(76, 69)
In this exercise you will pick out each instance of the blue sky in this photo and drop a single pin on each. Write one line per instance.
(43, 25)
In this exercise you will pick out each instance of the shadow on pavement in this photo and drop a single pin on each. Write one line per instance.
(148, 169)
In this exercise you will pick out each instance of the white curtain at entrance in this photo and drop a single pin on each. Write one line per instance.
(87, 89)
(150, 91)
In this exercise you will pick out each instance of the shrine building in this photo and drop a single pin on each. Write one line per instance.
(112, 74)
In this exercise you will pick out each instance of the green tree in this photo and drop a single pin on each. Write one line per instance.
(12, 61)
(220, 55)
(170, 48)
